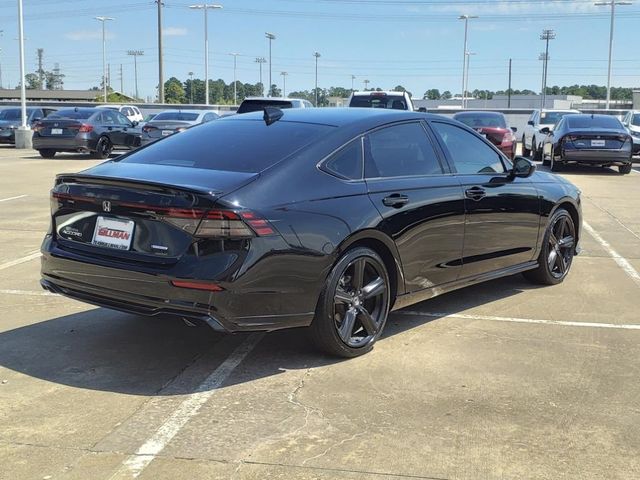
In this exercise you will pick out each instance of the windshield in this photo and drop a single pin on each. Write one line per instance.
(396, 102)
(551, 118)
(181, 116)
(598, 121)
(231, 145)
(475, 120)
(257, 105)
(73, 114)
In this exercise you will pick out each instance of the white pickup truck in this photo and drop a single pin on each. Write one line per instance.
(532, 137)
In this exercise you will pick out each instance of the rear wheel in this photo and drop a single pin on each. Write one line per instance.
(103, 148)
(557, 250)
(47, 153)
(536, 152)
(525, 151)
(624, 169)
(555, 166)
(354, 304)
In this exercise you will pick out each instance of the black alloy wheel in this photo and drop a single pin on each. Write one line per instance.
(353, 306)
(556, 255)
(103, 148)
(47, 153)
(525, 151)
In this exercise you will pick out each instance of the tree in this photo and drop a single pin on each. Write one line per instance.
(446, 95)
(339, 92)
(274, 91)
(174, 91)
(32, 81)
(432, 94)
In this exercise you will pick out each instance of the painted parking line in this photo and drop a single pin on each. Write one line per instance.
(28, 293)
(619, 259)
(135, 464)
(12, 198)
(27, 258)
(494, 318)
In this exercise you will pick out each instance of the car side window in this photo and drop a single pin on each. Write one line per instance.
(121, 120)
(401, 151)
(470, 154)
(347, 162)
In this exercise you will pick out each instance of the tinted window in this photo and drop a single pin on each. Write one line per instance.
(597, 121)
(73, 114)
(110, 118)
(469, 153)
(475, 120)
(257, 105)
(122, 120)
(347, 163)
(181, 116)
(395, 102)
(401, 150)
(11, 114)
(209, 116)
(551, 118)
(635, 119)
(231, 145)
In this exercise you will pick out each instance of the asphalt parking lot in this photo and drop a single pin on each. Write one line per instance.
(499, 381)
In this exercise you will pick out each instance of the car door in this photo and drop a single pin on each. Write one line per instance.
(421, 203)
(110, 127)
(502, 212)
(129, 136)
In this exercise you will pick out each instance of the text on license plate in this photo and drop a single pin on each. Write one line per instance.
(598, 143)
(166, 132)
(113, 233)
(56, 131)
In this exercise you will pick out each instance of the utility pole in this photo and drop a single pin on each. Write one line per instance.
(23, 133)
(109, 75)
(546, 36)
(135, 54)
(271, 37)
(284, 83)
(353, 77)
(366, 84)
(40, 52)
(509, 89)
(104, 20)
(317, 55)
(235, 86)
(260, 61)
(121, 81)
(160, 54)
(1, 32)
(191, 88)
(465, 57)
(205, 7)
(466, 80)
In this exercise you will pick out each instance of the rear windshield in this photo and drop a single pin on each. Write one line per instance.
(257, 105)
(183, 116)
(551, 118)
(234, 145)
(594, 122)
(396, 102)
(475, 120)
(73, 114)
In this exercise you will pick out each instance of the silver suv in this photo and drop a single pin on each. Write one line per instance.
(532, 137)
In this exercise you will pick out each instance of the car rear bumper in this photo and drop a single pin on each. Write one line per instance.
(597, 157)
(8, 136)
(64, 144)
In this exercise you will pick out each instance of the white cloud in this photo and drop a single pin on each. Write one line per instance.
(174, 31)
(81, 35)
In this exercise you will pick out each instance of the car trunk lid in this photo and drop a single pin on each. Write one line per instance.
(599, 139)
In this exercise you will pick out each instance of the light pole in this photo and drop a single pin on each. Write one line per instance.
(260, 61)
(104, 54)
(466, 79)
(613, 4)
(271, 37)
(191, 88)
(353, 77)
(284, 83)
(466, 19)
(205, 7)
(23, 134)
(1, 32)
(135, 54)
(317, 55)
(544, 57)
(546, 36)
(235, 87)
(366, 84)
(160, 55)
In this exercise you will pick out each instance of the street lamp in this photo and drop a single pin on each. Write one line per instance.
(271, 37)
(284, 83)
(353, 77)
(466, 80)
(613, 4)
(23, 134)
(205, 7)
(135, 54)
(546, 36)
(260, 61)
(466, 19)
(366, 84)
(191, 88)
(104, 54)
(235, 90)
(317, 55)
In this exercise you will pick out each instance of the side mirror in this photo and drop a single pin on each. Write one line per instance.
(522, 168)
(514, 129)
(545, 130)
(135, 123)
(530, 122)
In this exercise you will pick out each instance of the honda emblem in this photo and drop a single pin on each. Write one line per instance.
(106, 206)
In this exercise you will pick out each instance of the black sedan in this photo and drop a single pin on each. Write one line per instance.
(86, 130)
(322, 218)
(589, 140)
(11, 119)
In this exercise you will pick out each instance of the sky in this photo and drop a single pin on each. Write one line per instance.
(414, 43)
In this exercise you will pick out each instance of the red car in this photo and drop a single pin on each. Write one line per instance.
(493, 126)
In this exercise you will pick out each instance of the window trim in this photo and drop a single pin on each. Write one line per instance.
(322, 164)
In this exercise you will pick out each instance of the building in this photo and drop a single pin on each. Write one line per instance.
(13, 95)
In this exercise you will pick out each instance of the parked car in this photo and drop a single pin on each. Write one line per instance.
(375, 99)
(631, 121)
(254, 104)
(493, 126)
(11, 119)
(132, 112)
(327, 218)
(532, 136)
(174, 121)
(588, 139)
(84, 130)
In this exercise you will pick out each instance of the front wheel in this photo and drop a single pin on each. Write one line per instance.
(353, 306)
(47, 153)
(558, 248)
(624, 169)
(103, 148)
(555, 166)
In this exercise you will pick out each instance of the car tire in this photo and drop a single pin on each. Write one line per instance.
(536, 153)
(558, 249)
(555, 166)
(47, 153)
(354, 304)
(625, 169)
(103, 148)
(525, 151)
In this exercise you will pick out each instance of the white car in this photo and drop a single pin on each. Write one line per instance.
(255, 104)
(631, 122)
(377, 99)
(532, 137)
(130, 111)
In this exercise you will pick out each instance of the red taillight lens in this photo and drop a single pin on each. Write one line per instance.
(210, 287)
(37, 127)
(148, 128)
(508, 138)
(84, 128)
(219, 223)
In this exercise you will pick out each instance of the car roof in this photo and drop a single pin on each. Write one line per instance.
(339, 116)
(560, 110)
(478, 112)
(281, 99)
(193, 110)
(592, 115)
(80, 109)
(368, 93)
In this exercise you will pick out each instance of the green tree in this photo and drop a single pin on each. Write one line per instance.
(32, 81)
(446, 95)
(174, 91)
(274, 91)
(432, 94)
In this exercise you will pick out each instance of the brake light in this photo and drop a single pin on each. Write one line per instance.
(148, 128)
(85, 128)
(508, 138)
(37, 127)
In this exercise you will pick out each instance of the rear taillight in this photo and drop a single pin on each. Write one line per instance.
(219, 223)
(148, 128)
(37, 127)
(84, 128)
(508, 138)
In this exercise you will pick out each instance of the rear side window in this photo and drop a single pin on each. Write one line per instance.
(180, 116)
(593, 122)
(347, 162)
(475, 120)
(396, 102)
(232, 145)
(257, 105)
(470, 155)
(73, 114)
(401, 151)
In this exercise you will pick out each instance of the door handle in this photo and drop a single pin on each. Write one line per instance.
(395, 200)
(475, 193)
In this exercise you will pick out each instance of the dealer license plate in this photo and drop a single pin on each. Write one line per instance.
(56, 131)
(113, 233)
(166, 132)
(597, 143)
